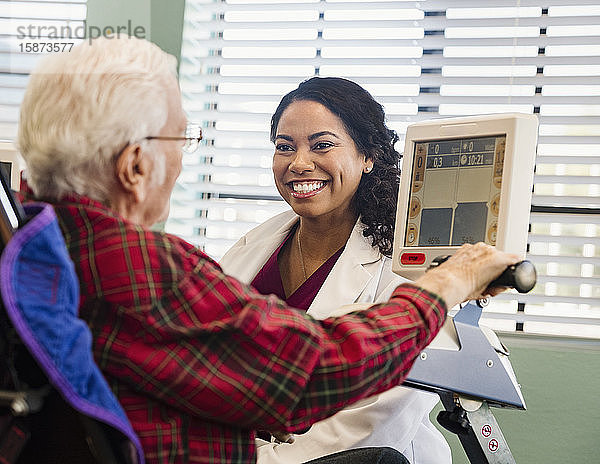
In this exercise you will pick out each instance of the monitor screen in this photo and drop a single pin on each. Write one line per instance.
(447, 206)
(6, 169)
(9, 219)
(10, 164)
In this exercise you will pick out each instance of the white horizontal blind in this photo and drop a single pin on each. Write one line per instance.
(29, 30)
(420, 60)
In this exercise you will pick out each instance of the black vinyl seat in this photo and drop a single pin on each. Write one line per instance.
(55, 433)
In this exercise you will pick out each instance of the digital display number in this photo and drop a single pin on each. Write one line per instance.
(442, 161)
(477, 159)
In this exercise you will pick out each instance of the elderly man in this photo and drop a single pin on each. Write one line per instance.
(198, 360)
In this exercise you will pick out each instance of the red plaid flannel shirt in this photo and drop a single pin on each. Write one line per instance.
(199, 361)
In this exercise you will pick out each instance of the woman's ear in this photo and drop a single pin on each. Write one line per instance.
(132, 171)
(368, 165)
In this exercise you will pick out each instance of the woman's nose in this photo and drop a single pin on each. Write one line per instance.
(301, 162)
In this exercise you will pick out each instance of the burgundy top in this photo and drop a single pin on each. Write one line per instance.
(268, 280)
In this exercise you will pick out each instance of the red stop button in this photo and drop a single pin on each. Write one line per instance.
(412, 258)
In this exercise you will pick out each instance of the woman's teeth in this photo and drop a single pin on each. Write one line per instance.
(306, 187)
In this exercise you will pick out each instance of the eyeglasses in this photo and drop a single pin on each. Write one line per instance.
(193, 135)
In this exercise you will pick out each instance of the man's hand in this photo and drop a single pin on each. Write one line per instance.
(467, 274)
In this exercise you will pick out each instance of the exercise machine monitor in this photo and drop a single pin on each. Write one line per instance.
(10, 164)
(464, 180)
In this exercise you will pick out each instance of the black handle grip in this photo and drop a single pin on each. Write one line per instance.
(521, 276)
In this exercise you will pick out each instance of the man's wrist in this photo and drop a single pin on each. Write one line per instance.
(443, 284)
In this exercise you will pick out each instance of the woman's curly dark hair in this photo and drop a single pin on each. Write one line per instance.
(364, 119)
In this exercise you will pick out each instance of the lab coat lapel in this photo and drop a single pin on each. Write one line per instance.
(260, 243)
(350, 277)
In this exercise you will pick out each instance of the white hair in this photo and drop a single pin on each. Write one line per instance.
(81, 108)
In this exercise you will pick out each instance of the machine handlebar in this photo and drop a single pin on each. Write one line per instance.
(521, 276)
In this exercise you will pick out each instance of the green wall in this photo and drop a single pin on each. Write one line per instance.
(158, 21)
(560, 381)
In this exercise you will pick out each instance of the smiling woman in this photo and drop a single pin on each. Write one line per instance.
(317, 169)
(336, 166)
(354, 122)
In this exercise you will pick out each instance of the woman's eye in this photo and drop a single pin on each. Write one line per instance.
(323, 145)
(283, 147)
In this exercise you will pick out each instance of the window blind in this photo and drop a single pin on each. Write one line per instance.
(28, 30)
(421, 60)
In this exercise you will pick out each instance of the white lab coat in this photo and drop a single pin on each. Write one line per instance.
(399, 417)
